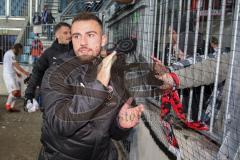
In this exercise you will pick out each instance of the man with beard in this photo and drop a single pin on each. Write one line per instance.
(85, 103)
(60, 45)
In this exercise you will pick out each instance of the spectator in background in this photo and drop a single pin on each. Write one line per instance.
(12, 72)
(36, 48)
(174, 35)
(36, 19)
(172, 29)
(60, 46)
(214, 44)
(190, 58)
(203, 73)
(44, 14)
(44, 19)
(181, 54)
(50, 19)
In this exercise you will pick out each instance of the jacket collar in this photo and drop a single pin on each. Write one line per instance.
(62, 47)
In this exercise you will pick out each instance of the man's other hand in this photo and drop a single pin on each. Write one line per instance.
(129, 116)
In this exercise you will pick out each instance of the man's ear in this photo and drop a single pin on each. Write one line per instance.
(104, 40)
(57, 34)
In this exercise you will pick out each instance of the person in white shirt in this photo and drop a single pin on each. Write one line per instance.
(12, 72)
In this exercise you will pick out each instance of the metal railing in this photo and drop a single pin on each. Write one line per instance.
(29, 39)
(28, 35)
(200, 30)
(77, 6)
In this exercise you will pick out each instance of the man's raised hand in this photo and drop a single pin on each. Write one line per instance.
(104, 69)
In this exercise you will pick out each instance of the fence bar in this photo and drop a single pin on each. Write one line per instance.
(165, 30)
(179, 25)
(218, 64)
(30, 11)
(185, 52)
(187, 28)
(159, 30)
(234, 42)
(170, 34)
(8, 8)
(150, 29)
(36, 5)
(205, 54)
(141, 31)
(195, 49)
(145, 34)
(154, 24)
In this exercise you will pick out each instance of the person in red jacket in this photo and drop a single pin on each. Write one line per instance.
(36, 49)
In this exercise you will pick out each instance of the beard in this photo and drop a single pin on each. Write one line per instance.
(86, 58)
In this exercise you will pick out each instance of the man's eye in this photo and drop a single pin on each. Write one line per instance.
(76, 36)
(91, 35)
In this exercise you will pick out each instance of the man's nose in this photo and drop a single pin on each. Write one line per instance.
(83, 40)
(69, 36)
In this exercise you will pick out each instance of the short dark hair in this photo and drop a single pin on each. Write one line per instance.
(87, 16)
(61, 24)
(214, 40)
(17, 46)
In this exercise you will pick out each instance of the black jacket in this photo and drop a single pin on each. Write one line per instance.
(80, 114)
(49, 57)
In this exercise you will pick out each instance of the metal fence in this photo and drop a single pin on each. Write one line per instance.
(29, 37)
(187, 36)
(77, 6)
(14, 17)
(35, 39)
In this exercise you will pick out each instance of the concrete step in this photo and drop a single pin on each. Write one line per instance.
(53, 6)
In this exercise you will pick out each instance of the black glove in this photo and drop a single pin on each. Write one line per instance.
(27, 79)
(28, 96)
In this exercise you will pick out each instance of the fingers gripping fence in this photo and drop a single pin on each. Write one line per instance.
(198, 41)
